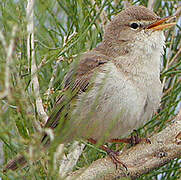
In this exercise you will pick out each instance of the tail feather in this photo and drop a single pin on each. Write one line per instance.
(14, 164)
(52, 122)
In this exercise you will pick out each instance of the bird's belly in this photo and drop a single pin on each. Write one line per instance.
(113, 107)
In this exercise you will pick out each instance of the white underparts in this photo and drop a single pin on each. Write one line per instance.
(125, 94)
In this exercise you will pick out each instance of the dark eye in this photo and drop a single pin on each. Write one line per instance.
(134, 25)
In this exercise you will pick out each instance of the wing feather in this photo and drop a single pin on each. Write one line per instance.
(75, 82)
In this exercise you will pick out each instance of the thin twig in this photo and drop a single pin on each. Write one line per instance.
(9, 52)
(103, 19)
(175, 57)
(43, 62)
(50, 86)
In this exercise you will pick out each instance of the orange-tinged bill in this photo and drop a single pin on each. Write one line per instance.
(160, 24)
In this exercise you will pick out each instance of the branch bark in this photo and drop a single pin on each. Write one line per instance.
(140, 159)
(68, 162)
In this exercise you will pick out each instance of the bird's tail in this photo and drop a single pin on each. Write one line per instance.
(53, 120)
(14, 164)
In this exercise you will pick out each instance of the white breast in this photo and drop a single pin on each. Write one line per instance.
(122, 99)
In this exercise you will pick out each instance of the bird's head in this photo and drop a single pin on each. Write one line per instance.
(137, 24)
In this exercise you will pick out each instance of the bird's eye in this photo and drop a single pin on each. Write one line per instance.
(134, 25)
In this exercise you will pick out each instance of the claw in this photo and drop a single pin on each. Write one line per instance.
(112, 154)
(133, 140)
(114, 157)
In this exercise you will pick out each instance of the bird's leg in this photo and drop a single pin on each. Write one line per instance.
(133, 140)
(112, 154)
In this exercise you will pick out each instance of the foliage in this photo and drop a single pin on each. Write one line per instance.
(63, 29)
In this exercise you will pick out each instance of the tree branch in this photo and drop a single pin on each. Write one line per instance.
(31, 60)
(68, 162)
(140, 159)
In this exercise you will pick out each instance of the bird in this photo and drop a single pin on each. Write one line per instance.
(114, 88)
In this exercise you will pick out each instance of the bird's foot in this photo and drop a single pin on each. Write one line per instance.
(114, 157)
(133, 140)
(112, 154)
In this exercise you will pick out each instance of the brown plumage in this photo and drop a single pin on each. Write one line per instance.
(122, 72)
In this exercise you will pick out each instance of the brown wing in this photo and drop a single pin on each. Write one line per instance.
(76, 81)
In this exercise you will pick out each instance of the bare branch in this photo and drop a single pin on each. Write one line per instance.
(31, 57)
(140, 159)
(68, 162)
(50, 86)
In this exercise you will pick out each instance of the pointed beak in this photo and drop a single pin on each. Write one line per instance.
(161, 24)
